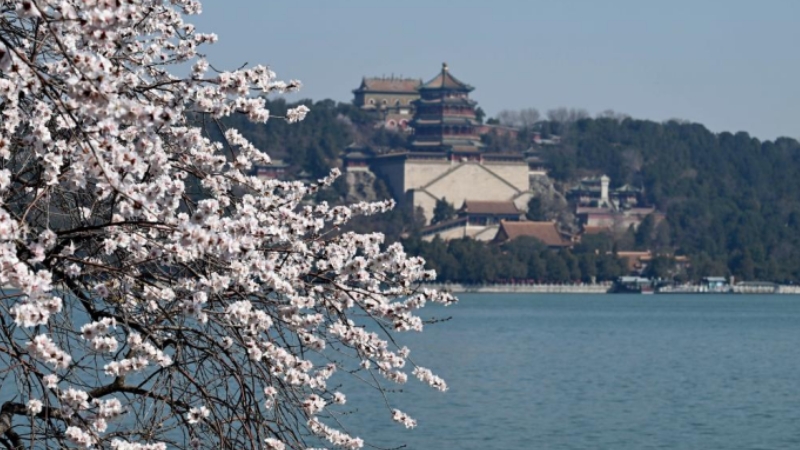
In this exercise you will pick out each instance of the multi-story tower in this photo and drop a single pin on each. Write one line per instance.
(444, 117)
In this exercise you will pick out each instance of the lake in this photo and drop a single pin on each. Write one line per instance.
(601, 372)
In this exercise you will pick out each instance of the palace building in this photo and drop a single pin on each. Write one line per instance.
(444, 159)
(444, 118)
(390, 97)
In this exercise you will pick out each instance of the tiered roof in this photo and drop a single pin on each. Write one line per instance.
(446, 80)
(450, 101)
(440, 127)
(446, 120)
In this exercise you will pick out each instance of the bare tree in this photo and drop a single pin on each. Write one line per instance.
(567, 115)
(524, 118)
(508, 118)
(528, 117)
(155, 294)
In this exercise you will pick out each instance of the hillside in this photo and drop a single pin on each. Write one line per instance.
(732, 202)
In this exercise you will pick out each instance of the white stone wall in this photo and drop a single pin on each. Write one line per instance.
(418, 173)
(423, 181)
(447, 235)
(479, 233)
(459, 181)
(482, 233)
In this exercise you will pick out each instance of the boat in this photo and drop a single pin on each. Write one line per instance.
(632, 285)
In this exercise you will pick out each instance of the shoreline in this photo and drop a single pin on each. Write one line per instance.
(599, 288)
(459, 288)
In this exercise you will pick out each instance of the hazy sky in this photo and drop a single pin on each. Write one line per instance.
(729, 64)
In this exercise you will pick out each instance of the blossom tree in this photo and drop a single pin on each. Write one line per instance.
(155, 295)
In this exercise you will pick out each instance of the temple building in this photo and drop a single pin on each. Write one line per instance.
(389, 97)
(546, 232)
(444, 159)
(444, 118)
(595, 192)
(478, 220)
(600, 209)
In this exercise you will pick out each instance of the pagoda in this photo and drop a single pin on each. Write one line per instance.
(444, 118)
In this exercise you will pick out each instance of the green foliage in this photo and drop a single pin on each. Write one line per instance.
(480, 114)
(395, 224)
(732, 202)
(442, 211)
(314, 145)
(660, 267)
(536, 210)
(524, 259)
(500, 142)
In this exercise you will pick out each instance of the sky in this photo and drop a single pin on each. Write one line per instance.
(731, 65)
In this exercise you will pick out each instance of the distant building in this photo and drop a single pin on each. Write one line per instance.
(596, 220)
(537, 165)
(546, 232)
(489, 212)
(600, 208)
(478, 220)
(276, 170)
(392, 99)
(357, 159)
(539, 140)
(444, 117)
(387, 93)
(715, 284)
(595, 191)
(419, 179)
(445, 160)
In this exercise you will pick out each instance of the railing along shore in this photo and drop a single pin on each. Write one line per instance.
(604, 288)
(545, 288)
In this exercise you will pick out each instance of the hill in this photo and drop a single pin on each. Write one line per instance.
(732, 202)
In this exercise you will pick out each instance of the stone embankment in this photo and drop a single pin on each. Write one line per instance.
(600, 288)
(785, 289)
(603, 288)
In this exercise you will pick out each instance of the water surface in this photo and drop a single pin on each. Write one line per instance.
(603, 372)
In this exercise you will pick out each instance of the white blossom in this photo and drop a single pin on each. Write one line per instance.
(34, 406)
(403, 418)
(118, 444)
(45, 350)
(50, 381)
(80, 437)
(195, 415)
(426, 376)
(274, 444)
(297, 114)
(339, 398)
(150, 269)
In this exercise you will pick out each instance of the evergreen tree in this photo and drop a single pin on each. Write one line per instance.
(442, 211)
